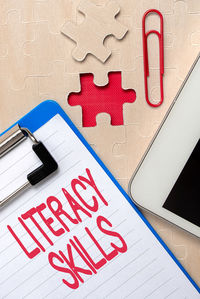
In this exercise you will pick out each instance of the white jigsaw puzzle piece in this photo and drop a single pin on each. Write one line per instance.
(89, 36)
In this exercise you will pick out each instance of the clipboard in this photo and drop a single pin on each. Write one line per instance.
(36, 120)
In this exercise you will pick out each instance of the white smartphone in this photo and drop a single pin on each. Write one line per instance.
(167, 180)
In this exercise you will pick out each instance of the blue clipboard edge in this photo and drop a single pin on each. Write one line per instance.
(48, 109)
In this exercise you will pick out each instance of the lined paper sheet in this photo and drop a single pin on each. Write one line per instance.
(139, 267)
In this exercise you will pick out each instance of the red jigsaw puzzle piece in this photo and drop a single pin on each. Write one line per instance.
(97, 99)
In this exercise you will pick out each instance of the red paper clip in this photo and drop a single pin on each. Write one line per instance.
(145, 55)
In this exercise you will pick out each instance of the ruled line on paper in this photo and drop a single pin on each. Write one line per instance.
(133, 244)
(17, 161)
(140, 255)
(143, 268)
(14, 226)
(147, 280)
(90, 276)
(81, 239)
(57, 177)
(28, 153)
(157, 288)
(32, 228)
(47, 264)
(108, 264)
(65, 156)
(33, 196)
(26, 170)
(39, 240)
(19, 269)
(64, 204)
(172, 292)
(55, 194)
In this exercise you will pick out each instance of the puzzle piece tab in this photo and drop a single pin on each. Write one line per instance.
(97, 99)
(99, 22)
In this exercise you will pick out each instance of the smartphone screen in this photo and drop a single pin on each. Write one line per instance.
(184, 198)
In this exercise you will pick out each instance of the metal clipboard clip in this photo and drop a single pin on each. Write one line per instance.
(11, 139)
(145, 55)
